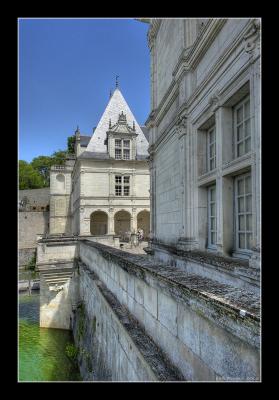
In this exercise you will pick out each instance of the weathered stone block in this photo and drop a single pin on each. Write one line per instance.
(167, 312)
(188, 328)
(151, 300)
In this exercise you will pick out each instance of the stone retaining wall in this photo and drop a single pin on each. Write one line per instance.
(198, 324)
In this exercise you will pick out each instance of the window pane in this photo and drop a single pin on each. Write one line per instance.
(117, 143)
(126, 154)
(212, 194)
(212, 136)
(240, 133)
(241, 223)
(247, 109)
(247, 128)
(212, 210)
(213, 224)
(126, 190)
(248, 184)
(249, 222)
(213, 238)
(240, 149)
(126, 179)
(212, 164)
(118, 179)
(241, 240)
(249, 240)
(240, 187)
(249, 203)
(126, 143)
(118, 190)
(247, 145)
(239, 114)
(241, 204)
(118, 154)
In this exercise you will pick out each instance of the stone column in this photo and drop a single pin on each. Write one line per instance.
(253, 48)
(152, 170)
(134, 221)
(187, 240)
(111, 222)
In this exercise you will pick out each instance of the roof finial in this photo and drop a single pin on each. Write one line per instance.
(77, 130)
(110, 93)
(116, 81)
(134, 128)
(109, 123)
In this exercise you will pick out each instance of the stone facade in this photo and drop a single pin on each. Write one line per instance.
(104, 189)
(33, 220)
(205, 137)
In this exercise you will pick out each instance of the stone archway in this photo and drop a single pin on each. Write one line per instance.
(98, 223)
(122, 223)
(143, 222)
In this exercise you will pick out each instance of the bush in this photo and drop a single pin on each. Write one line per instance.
(71, 351)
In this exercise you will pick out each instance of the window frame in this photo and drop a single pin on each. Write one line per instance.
(122, 149)
(210, 245)
(208, 146)
(241, 105)
(238, 251)
(122, 185)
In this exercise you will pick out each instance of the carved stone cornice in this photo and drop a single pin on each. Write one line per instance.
(151, 119)
(153, 30)
(181, 127)
(214, 101)
(251, 39)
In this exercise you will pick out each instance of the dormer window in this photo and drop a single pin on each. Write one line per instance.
(122, 149)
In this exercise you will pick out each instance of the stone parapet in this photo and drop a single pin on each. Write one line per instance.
(209, 330)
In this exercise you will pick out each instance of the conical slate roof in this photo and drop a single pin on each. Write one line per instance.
(116, 106)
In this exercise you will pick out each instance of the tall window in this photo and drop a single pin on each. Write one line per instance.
(122, 185)
(242, 128)
(212, 226)
(211, 149)
(122, 149)
(243, 208)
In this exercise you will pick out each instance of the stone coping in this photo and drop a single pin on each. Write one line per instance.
(161, 367)
(240, 304)
(205, 257)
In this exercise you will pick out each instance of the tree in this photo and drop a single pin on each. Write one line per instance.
(29, 178)
(59, 157)
(42, 164)
(36, 174)
(71, 144)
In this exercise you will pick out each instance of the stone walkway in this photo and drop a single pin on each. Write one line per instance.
(134, 249)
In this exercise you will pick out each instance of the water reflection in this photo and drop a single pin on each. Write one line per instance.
(42, 354)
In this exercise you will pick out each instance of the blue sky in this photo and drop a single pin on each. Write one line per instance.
(66, 70)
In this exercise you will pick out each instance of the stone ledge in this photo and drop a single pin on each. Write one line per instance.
(160, 365)
(206, 257)
(236, 310)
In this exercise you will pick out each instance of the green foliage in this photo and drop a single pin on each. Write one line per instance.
(71, 144)
(42, 164)
(58, 157)
(29, 178)
(72, 351)
(36, 174)
(32, 263)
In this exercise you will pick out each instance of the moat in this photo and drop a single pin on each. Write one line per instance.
(42, 352)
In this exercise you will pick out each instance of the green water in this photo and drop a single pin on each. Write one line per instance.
(42, 354)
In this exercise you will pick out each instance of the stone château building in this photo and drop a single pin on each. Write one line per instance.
(104, 188)
(205, 144)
